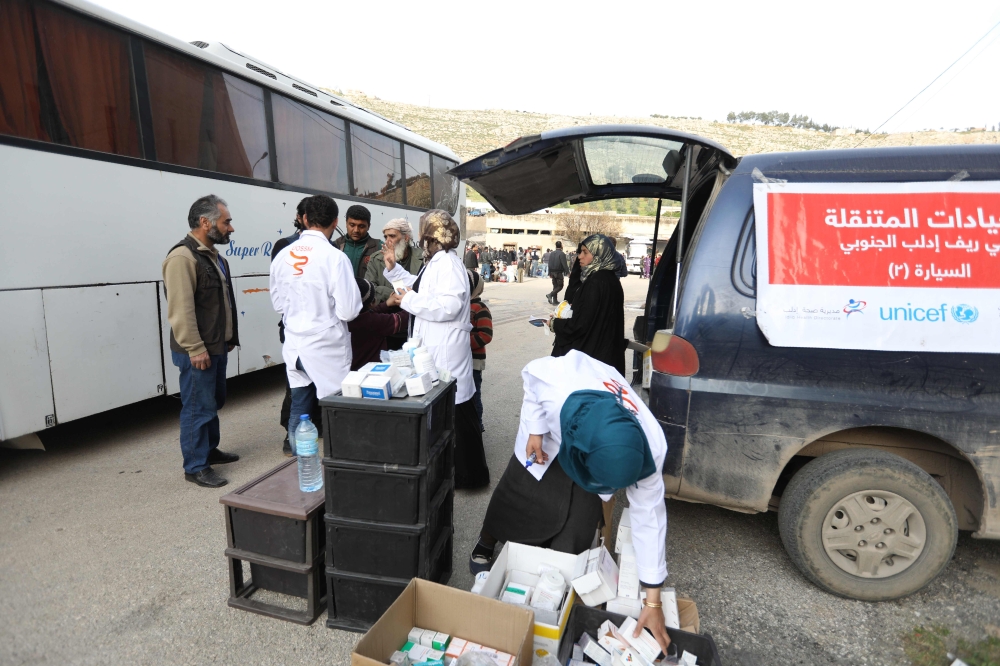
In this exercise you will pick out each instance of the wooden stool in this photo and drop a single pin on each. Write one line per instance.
(276, 528)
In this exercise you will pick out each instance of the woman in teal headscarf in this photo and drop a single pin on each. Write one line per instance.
(597, 327)
(590, 436)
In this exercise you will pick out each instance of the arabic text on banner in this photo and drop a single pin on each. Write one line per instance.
(903, 267)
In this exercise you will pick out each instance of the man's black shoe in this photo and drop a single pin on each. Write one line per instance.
(206, 478)
(217, 457)
(286, 448)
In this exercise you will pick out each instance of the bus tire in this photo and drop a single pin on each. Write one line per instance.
(867, 525)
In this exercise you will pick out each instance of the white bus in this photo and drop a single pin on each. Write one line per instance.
(108, 132)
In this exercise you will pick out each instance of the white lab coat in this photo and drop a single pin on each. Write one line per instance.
(441, 315)
(548, 382)
(313, 287)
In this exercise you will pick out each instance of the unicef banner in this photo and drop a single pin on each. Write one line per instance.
(901, 267)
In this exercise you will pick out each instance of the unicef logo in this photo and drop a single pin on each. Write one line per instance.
(965, 314)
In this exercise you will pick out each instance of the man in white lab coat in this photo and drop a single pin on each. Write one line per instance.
(589, 435)
(313, 287)
(438, 300)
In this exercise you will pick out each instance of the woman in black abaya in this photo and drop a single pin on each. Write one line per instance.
(597, 327)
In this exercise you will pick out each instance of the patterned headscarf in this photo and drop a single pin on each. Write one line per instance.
(475, 284)
(606, 257)
(438, 231)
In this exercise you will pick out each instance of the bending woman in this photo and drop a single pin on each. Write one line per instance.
(438, 301)
(590, 436)
(597, 327)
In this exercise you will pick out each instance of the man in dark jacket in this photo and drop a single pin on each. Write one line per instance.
(558, 267)
(471, 258)
(357, 244)
(203, 330)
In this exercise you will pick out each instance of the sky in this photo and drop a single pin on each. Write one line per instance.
(849, 64)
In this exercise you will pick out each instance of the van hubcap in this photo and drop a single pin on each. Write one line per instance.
(874, 534)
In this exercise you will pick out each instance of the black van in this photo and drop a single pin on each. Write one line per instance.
(873, 459)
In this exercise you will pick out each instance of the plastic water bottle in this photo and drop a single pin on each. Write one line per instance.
(307, 450)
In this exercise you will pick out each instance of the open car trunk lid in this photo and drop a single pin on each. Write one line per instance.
(580, 164)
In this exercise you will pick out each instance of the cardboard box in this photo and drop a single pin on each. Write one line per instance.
(351, 386)
(599, 583)
(520, 564)
(376, 387)
(419, 384)
(687, 611)
(624, 534)
(454, 612)
(628, 574)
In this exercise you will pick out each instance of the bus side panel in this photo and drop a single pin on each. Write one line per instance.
(259, 343)
(26, 389)
(171, 375)
(104, 344)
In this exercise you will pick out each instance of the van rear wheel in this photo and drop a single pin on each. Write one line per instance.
(866, 524)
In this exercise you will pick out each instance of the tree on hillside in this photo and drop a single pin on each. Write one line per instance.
(577, 226)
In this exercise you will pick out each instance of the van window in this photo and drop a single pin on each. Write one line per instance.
(205, 119)
(65, 79)
(418, 177)
(745, 259)
(378, 170)
(311, 146)
(619, 160)
(445, 186)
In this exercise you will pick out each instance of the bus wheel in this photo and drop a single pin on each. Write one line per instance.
(866, 524)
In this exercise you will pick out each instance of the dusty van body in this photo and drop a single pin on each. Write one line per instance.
(874, 459)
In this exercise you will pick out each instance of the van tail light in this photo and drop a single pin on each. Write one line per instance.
(673, 355)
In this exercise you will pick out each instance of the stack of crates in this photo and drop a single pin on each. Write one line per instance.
(389, 479)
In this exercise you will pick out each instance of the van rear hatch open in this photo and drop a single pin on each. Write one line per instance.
(591, 163)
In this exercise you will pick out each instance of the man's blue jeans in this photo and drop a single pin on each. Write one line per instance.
(203, 393)
(485, 271)
(303, 402)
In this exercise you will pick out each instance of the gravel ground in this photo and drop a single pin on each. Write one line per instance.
(108, 556)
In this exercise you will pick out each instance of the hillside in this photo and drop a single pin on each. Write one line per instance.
(471, 133)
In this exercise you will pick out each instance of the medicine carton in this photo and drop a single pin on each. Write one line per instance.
(351, 386)
(645, 644)
(625, 606)
(419, 384)
(628, 573)
(376, 387)
(599, 583)
(624, 534)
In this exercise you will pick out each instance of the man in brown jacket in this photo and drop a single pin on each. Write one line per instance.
(203, 330)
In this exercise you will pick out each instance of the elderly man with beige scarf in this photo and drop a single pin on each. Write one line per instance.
(407, 255)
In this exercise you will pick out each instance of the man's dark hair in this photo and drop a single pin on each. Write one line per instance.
(207, 206)
(299, 210)
(359, 213)
(558, 245)
(320, 209)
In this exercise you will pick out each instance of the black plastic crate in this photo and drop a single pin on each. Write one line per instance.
(276, 536)
(399, 431)
(267, 573)
(583, 619)
(389, 549)
(387, 493)
(355, 601)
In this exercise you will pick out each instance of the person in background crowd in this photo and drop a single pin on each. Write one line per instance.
(657, 261)
(472, 257)
(357, 244)
(597, 327)
(438, 301)
(482, 334)
(372, 326)
(203, 330)
(484, 263)
(591, 436)
(557, 270)
(522, 268)
(313, 287)
(286, 403)
(646, 262)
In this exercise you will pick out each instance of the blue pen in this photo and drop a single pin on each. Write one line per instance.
(531, 461)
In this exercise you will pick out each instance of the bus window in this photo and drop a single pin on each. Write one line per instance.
(418, 177)
(311, 146)
(445, 186)
(65, 79)
(205, 119)
(377, 169)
